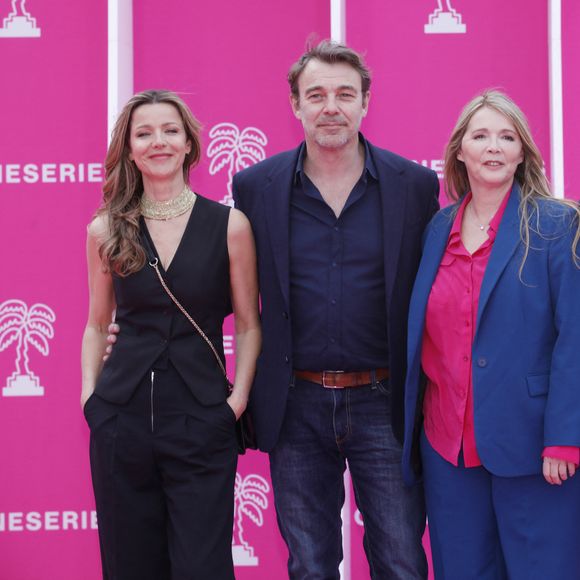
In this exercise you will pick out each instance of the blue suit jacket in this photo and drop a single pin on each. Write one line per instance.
(409, 194)
(525, 363)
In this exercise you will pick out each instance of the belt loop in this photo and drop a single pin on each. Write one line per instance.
(374, 379)
(292, 380)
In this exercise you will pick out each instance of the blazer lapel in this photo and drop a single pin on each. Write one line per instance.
(433, 250)
(277, 207)
(504, 246)
(393, 199)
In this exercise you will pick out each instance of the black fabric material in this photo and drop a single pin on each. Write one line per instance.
(337, 281)
(163, 469)
(245, 433)
(154, 332)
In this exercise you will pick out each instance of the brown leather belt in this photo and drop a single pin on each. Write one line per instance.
(342, 379)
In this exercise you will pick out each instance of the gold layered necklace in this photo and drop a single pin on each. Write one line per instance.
(165, 210)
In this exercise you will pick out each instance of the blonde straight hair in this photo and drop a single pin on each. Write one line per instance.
(529, 173)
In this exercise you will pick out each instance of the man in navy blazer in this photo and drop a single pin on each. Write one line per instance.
(338, 225)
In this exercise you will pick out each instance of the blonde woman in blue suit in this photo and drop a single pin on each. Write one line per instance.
(492, 403)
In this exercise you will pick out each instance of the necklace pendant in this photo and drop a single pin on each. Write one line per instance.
(481, 227)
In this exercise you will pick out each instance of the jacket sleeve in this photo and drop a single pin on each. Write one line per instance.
(562, 415)
(571, 454)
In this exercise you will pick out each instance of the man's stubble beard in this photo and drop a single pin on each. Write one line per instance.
(332, 141)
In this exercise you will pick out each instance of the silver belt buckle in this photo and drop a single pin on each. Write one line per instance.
(325, 384)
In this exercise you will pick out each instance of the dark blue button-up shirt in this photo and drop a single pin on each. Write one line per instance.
(337, 283)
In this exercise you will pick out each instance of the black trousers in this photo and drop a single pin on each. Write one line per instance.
(163, 470)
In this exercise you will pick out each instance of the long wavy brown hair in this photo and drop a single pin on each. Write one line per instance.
(529, 173)
(121, 252)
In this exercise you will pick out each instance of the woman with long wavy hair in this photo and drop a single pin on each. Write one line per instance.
(492, 409)
(162, 446)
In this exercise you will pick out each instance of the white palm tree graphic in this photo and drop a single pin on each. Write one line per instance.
(235, 150)
(440, 8)
(250, 497)
(442, 21)
(16, 12)
(25, 326)
(19, 23)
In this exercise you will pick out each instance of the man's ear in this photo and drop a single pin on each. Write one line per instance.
(366, 99)
(295, 104)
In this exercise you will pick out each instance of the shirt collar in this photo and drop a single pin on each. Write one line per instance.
(369, 167)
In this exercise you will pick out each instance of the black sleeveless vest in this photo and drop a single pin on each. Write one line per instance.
(154, 331)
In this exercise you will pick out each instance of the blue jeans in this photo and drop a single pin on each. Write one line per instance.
(324, 428)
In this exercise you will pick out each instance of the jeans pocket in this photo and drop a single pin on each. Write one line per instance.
(384, 387)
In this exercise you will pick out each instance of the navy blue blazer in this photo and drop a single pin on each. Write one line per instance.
(409, 194)
(525, 363)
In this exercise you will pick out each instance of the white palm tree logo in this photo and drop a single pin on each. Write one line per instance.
(25, 327)
(19, 23)
(443, 21)
(235, 150)
(251, 498)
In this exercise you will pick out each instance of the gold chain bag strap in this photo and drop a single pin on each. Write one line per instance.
(155, 265)
(245, 434)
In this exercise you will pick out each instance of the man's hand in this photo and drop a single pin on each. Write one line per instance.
(111, 339)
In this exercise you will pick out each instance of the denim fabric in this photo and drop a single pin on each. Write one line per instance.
(323, 429)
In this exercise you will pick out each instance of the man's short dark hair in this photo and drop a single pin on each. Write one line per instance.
(330, 52)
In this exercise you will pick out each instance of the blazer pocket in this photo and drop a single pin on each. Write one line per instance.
(538, 385)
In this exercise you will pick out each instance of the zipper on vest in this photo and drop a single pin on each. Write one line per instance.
(152, 386)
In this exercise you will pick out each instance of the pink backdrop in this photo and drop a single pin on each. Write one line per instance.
(53, 118)
(571, 82)
(229, 61)
(422, 80)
